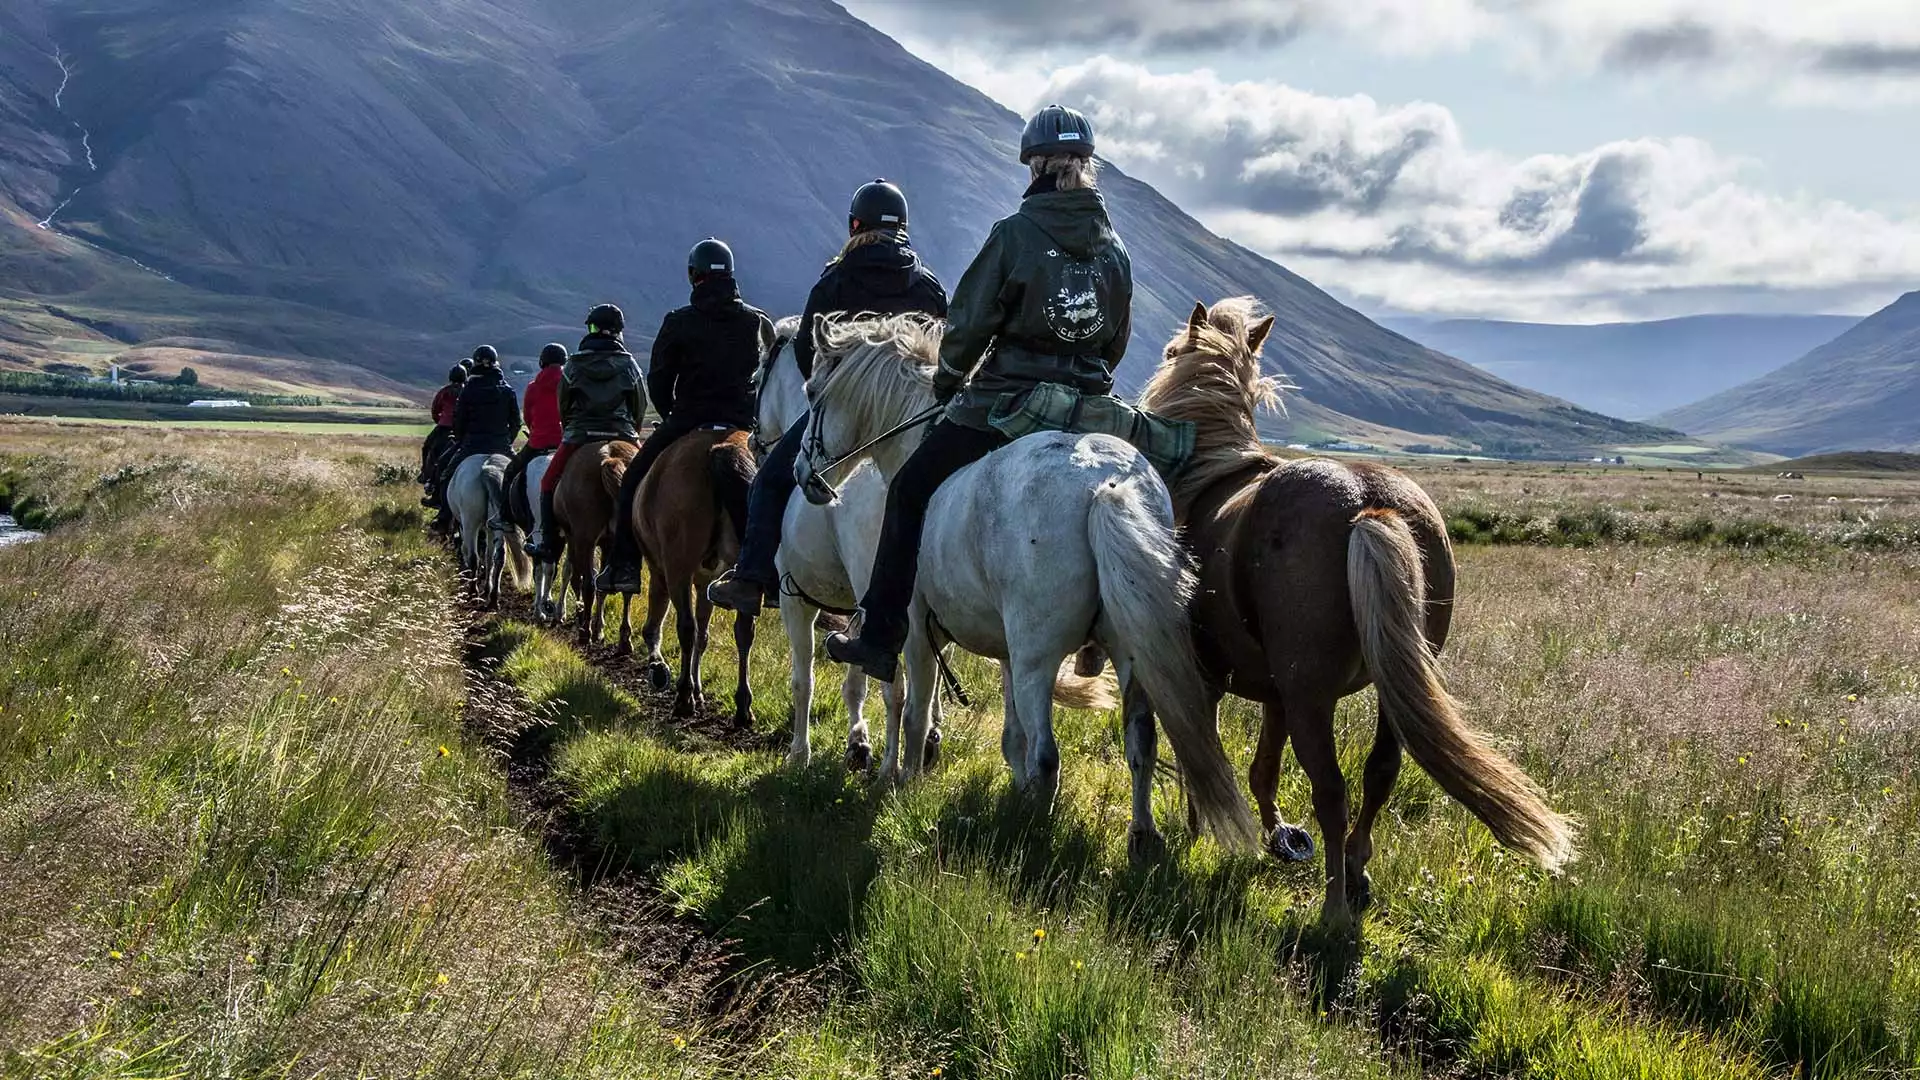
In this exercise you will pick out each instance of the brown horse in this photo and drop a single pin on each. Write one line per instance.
(583, 509)
(1316, 579)
(688, 537)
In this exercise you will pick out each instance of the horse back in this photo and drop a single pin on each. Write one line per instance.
(677, 513)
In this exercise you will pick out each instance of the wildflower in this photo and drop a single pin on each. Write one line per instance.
(1039, 935)
(937, 1071)
(1020, 956)
(444, 751)
(134, 991)
(679, 1042)
(287, 672)
(114, 954)
(440, 979)
(1853, 697)
(251, 959)
(1743, 759)
(1079, 965)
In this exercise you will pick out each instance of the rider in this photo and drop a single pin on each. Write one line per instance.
(541, 408)
(601, 400)
(876, 273)
(487, 418)
(1048, 300)
(448, 458)
(442, 412)
(705, 372)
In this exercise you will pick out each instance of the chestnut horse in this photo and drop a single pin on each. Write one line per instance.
(583, 508)
(1317, 578)
(688, 536)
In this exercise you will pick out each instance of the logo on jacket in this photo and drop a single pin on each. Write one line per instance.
(1074, 311)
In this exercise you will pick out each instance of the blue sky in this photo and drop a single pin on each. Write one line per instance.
(1557, 160)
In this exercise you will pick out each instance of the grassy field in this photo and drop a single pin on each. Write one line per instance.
(393, 423)
(271, 805)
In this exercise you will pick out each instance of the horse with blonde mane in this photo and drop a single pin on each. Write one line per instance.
(1319, 578)
(1041, 547)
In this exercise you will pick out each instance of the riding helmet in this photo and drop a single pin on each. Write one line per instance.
(879, 205)
(458, 374)
(1056, 129)
(486, 356)
(607, 319)
(553, 354)
(709, 256)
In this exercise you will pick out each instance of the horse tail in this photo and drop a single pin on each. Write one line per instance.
(1387, 583)
(1071, 690)
(1145, 586)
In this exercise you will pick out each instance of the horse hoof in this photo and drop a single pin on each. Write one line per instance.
(659, 677)
(932, 756)
(1290, 844)
(799, 757)
(1146, 845)
(743, 717)
(1359, 891)
(621, 652)
(859, 757)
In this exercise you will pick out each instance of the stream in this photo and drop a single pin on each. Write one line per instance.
(11, 532)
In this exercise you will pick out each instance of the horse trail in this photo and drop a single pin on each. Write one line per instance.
(701, 976)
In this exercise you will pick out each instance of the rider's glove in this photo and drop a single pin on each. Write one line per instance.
(944, 388)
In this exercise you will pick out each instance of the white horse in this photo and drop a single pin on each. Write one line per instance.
(549, 585)
(477, 494)
(1045, 545)
(826, 552)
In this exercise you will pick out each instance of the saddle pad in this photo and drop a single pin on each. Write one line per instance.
(1168, 444)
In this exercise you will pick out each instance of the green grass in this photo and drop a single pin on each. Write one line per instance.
(373, 426)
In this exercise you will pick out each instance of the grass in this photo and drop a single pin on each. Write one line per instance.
(1733, 723)
(391, 424)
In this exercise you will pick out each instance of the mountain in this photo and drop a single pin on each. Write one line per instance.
(383, 182)
(1860, 391)
(1634, 370)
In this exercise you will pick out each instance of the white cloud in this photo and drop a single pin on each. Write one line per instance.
(1390, 203)
(1828, 50)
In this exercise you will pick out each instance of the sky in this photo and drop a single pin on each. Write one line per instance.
(1543, 160)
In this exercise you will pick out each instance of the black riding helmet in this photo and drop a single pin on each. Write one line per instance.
(709, 257)
(555, 353)
(607, 319)
(879, 205)
(486, 356)
(458, 374)
(1056, 129)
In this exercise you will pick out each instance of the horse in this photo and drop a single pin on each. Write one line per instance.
(478, 500)
(687, 537)
(549, 588)
(1046, 544)
(583, 509)
(1319, 578)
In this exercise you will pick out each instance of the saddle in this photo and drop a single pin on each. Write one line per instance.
(1167, 444)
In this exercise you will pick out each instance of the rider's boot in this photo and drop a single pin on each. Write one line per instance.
(622, 572)
(738, 593)
(877, 660)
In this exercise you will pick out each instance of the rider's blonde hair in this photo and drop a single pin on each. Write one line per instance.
(1070, 172)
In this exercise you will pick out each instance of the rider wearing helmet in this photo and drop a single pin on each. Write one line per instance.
(442, 412)
(601, 399)
(704, 372)
(1048, 300)
(541, 408)
(876, 273)
(486, 420)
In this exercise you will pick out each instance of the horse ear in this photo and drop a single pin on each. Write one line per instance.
(1258, 335)
(1198, 320)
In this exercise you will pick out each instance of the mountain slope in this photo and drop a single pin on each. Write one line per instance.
(1860, 391)
(1633, 370)
(458, 169)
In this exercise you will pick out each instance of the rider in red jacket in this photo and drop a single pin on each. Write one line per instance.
(541, 410)
(442, 412)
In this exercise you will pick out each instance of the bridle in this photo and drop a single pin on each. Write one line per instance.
(818, 490)
(761, 446)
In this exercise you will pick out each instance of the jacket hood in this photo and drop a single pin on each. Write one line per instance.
(1075, 220)
(599, 365)
(720, 290)
(885, 267)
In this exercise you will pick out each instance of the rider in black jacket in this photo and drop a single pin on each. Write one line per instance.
(876, 273)
(704, 371)
(487, 418)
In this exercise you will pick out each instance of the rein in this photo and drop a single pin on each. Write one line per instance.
(816, 448)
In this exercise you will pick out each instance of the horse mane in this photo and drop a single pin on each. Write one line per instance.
(784, 329)
(878, 366)
(1211, 378)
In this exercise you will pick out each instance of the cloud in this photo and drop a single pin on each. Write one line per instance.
(1786, 47)
(1391, 202)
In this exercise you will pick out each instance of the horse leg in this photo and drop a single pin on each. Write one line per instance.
(1376, 786)
(1310, 721)
(906, 745)
(1013, 737)
(1288, 843)
(685, 695)
(702, 638)
(658, 674)
(743, 630)
(800, 621)
(1143, 748)
(1033, 695)
(853, 691)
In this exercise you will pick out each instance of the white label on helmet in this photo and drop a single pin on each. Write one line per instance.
(889, 219)
(718, 266)
(1069, 136)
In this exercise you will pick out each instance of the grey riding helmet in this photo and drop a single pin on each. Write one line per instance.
(879, 205)
(709, 256)
(1056, 129)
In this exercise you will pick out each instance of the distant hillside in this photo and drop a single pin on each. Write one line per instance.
(1854, 461)
(382, 184)
(1860, 391)
(1635, 370)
